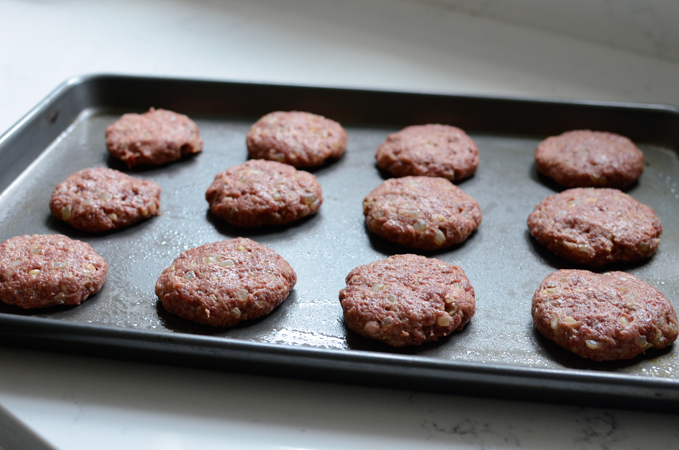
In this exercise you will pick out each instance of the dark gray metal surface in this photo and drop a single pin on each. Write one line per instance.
(305, 336)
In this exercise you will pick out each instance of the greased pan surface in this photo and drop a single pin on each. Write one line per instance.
(499, 353)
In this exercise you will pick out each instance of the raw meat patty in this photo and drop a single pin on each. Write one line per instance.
(603, 317)
(226, 282)
(104, 199)
(585, 158)
(263, 193)
(155, 137)
(421, 212)
(300, 139)
(429, 150)
(596, 226)
(407, 300)
(39, 271)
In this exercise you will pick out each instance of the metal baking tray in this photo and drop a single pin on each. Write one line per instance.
(499, 354)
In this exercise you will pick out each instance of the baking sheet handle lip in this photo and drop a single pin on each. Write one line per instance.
(100, 78)
(18, 326)
(103, 77)
(38, 109)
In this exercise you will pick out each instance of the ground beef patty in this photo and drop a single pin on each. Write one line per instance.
(407, 300)
(596, 226)
(47, 270)
(104, 199)
(429, 150)
(263, 193)
(224, 283)
(300, 139)
(586, 158)
(155, 137)
(603, 317)
(421, 212)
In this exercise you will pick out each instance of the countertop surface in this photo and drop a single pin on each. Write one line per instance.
(52, 400)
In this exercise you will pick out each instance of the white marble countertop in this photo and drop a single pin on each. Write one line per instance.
(71, 402)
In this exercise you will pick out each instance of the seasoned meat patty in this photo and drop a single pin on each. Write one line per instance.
(585, 158)
(263, 193)
(39, 271)
(596, 226)
(226, 282)
(429, 150)
(421, 212)
(104, 199)
(603, 317)
(300, 139)
(407, 300)
(155, 137)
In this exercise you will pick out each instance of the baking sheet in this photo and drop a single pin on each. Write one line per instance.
(504, 264)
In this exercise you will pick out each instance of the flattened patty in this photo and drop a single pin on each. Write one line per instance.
(155, 137)
(407, 300)
(263, 193)
(421, 212)
(39, 271)
(596, 226)
(603, 317)
(300, 139)
(226, 282)
(104, 199)
(429, 150)
(585, 158)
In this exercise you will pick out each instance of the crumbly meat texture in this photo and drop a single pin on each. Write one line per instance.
(429, 150)
(155, 137)
(596, 226)
(104, 199)
(585, 158)
(226, 282)
(407, 300)
(262, 192)
(421, 212)
(300, 139)
(40, 271)
(603, 317)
